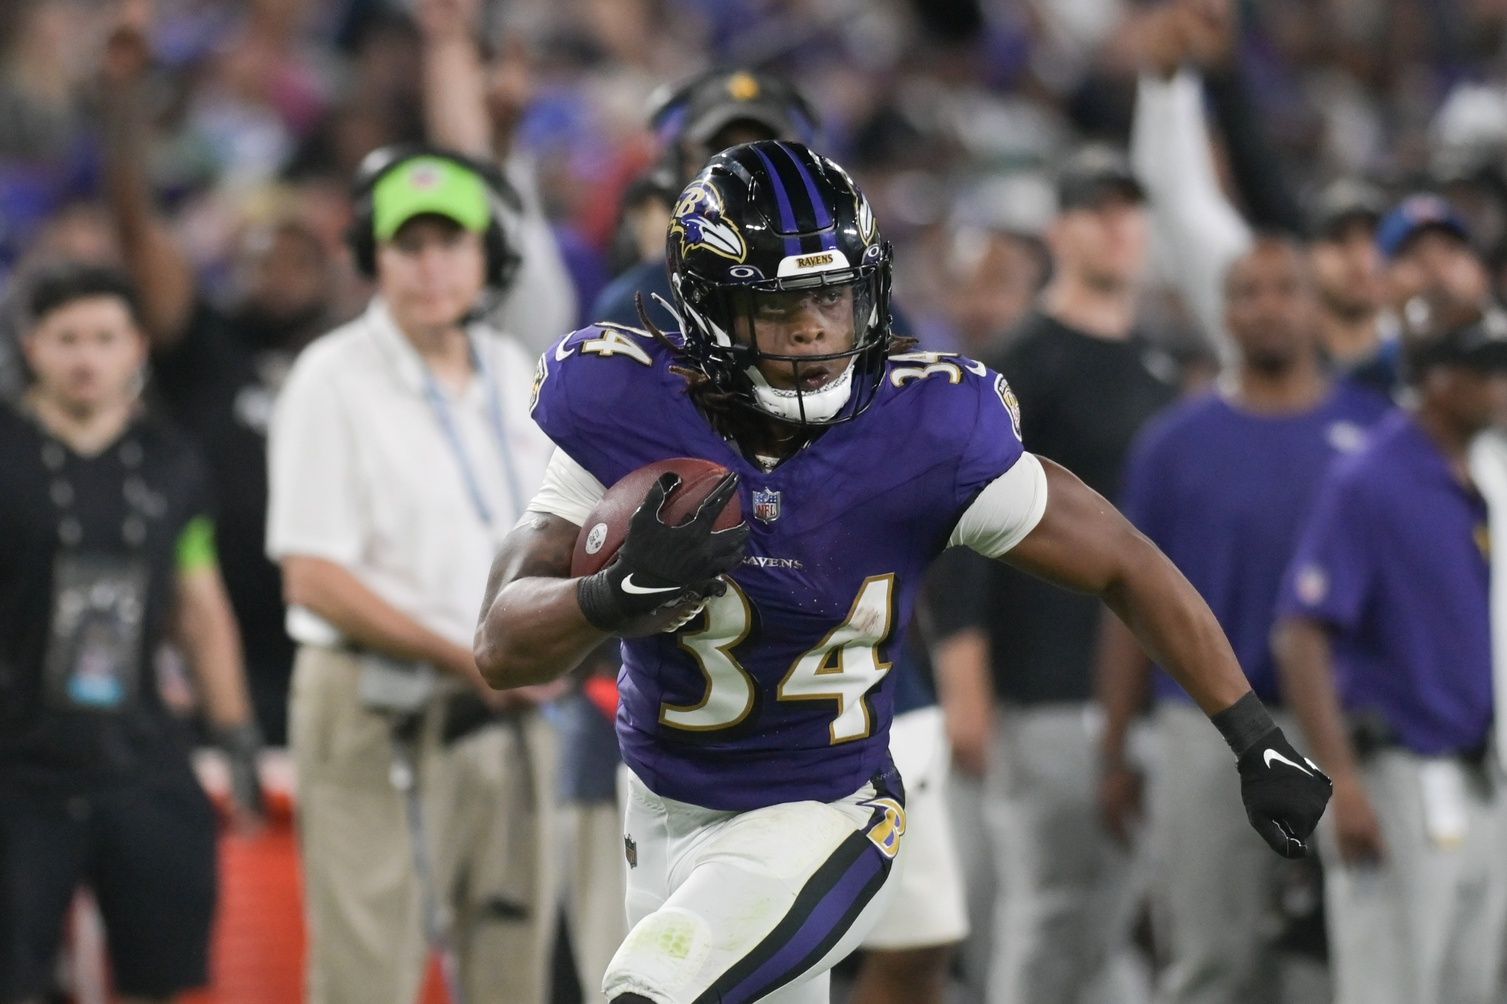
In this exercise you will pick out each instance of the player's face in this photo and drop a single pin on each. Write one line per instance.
(1104, 244)
(86, 354)
(1441, 267)
(1269, 307)
(1347, 271)
(431, 273)
(804, 323)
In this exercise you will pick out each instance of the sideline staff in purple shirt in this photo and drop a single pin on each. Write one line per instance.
(1384, 651)
(1223, 483)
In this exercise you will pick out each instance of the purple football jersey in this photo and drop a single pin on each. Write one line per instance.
(780, 691)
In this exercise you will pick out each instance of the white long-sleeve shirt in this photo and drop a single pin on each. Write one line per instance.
(1197, 233)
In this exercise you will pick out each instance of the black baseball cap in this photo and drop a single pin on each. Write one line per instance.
(1483, 346)
(1477, 342)
(1092, 174)
(1342, 202)
(699, 109)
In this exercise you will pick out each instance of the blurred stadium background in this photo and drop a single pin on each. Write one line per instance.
(950, 113)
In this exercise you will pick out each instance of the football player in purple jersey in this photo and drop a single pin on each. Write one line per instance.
(764, 816)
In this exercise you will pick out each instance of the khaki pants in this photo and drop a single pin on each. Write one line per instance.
(485, 799)
(595, 877)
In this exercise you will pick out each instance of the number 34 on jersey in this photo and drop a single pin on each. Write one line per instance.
(840, 668)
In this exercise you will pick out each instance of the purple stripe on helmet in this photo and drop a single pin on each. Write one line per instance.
(835, 907)
(782, 201)
(819, 209)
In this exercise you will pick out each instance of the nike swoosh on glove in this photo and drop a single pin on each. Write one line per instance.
(661, 565)
(1284, 793)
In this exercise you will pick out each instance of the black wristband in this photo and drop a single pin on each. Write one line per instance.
(1244, 723)
(243, 740)
(598, 602)
(242, 745)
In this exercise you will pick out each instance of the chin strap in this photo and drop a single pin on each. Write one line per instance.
(812, 406)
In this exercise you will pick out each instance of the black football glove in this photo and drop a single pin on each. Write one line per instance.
(1284, 793)
(660, 565)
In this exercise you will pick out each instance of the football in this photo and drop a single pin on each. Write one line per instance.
(604, 530)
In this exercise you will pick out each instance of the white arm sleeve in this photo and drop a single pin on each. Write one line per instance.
(569, 491)
(1005, 511)
(1198, 233)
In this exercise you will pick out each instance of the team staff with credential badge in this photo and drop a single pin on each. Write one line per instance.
(764, 808)
(400, 452)
(106, 549)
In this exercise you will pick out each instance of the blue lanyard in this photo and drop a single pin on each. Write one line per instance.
(441, 409)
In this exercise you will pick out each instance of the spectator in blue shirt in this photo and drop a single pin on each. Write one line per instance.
(1385, 653)
(1222, 483)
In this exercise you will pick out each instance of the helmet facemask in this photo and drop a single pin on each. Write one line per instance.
(818, 388)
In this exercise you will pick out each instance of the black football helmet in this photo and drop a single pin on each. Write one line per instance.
(767, 220)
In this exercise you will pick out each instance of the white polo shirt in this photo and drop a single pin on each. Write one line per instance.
(365, 472)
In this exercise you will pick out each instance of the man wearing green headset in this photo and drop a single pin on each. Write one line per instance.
(400, 453)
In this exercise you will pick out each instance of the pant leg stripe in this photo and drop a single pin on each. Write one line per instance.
(823, 911)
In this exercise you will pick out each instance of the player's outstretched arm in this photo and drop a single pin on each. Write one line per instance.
(1083, 543)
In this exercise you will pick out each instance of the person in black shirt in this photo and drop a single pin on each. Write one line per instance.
(106, 549)
(1086, 380)
(216, 372)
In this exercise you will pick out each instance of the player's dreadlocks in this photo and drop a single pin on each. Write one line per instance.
(730, 413)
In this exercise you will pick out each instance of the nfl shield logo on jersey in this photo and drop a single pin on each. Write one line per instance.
(766, 505)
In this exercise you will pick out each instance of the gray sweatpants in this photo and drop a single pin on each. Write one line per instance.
(1428, 923)
(1215, 883)
(1067, 891)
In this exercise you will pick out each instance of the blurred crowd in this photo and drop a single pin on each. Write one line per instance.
(207, 148)
(952, 113)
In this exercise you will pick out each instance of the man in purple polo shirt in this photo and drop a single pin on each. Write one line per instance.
(1384, 649)
(1222, 484)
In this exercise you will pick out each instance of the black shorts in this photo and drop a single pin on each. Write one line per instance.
(147, 852)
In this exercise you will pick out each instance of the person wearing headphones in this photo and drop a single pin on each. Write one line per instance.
(400, 453)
